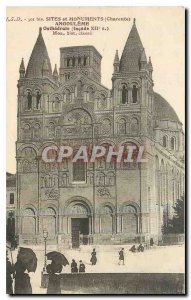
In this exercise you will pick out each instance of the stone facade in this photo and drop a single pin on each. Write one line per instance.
(95, 202)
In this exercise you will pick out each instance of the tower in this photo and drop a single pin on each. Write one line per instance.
(132, 81)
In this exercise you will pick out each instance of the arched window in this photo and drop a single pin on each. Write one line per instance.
(56, 104)
(173, 143)
(103, 101)
(135, 93)
(11, 198)
(124, 94)
(51, 130)
(79, 60)
(79, 88)
(29, 100)
(37, 132)
(38, 97)
(106, 126)
(26, 131)
(85, 60)
(91, 94)
(134, 125)
(164, 141)
(68, 61)
(67, 95)
(122, 126)
(73, 61)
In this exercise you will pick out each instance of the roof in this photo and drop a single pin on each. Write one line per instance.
(10, 180)
(37, 59)
(132, 52)
(163, 110)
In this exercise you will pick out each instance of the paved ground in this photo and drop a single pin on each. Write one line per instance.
(168, 259)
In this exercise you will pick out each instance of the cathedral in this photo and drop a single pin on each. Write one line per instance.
(95, 202)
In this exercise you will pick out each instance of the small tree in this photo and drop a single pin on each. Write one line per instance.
(176, 224)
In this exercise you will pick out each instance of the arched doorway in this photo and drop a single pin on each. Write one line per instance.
(80, 216)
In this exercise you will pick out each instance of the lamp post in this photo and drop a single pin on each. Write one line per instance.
(45, 236)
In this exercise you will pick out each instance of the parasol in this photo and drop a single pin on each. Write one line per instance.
(28, 258)
(57, 257)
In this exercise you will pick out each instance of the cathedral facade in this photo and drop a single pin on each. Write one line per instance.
(100, 203)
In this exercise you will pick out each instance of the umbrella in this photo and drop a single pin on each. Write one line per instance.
(57, 257)
(28, 258)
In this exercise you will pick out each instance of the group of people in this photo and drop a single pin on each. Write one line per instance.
(140, 248)
(82, 268)
(21, 278)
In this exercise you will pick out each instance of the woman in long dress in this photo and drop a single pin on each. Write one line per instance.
(54, 279)
(22, 279)
(93, 259)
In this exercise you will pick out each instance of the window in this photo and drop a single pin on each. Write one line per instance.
(29, 100)
(134, 93)
(124, 95)
(79, 172)
(38, 97)
(11, 198)
(173, 143)
(164, 141)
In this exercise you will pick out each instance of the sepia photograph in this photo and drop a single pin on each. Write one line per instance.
(95, 170)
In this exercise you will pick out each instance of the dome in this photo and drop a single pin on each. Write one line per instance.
(163, 110)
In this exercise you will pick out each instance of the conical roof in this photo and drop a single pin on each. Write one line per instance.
(116, 59)
(132, 51)
(38, 57)
(22, 66)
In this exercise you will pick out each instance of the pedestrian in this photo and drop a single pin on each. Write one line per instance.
(121, 256)
(74, 267)
(140, 248)
(151, 242)
(82, 267)
(93, 259)
(54, 279)
(133, 249)
(22, 279)
(9, 272)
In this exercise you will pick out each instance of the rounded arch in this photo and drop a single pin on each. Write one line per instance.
(78, 199)
(28, 145)
(129, 142)
(165, 141)
(173, 143)
(108, 205)
(29, 207)
(130, 203)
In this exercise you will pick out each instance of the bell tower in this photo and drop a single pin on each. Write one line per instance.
(132, 84)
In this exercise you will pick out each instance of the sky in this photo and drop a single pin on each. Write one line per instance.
(161, 30)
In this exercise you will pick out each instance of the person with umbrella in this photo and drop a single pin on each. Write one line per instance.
(93, 259)
(26, 261)
(54, 269)
(74, 267)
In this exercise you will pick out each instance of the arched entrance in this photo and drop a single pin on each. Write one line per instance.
(81, 226)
